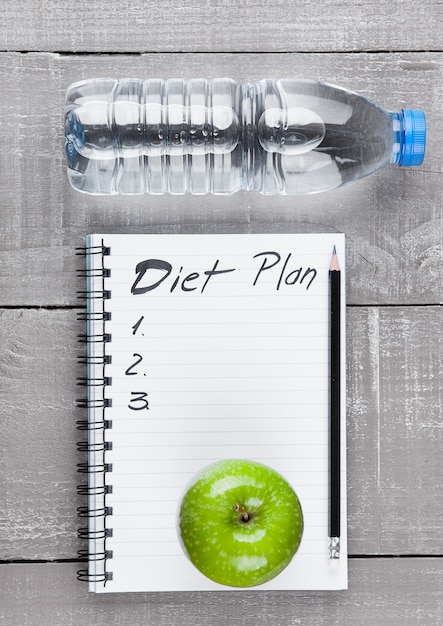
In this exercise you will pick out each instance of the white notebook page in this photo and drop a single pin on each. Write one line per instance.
(219, 349)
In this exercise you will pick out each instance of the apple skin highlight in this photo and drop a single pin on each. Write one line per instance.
(240, 522)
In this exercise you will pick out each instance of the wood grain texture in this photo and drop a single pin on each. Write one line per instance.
(38, 371)
(220, 25)
(395, 359)
(393, 592)
(392, 219)
(394, 432)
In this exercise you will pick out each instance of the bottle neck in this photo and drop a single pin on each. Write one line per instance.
(397, 140)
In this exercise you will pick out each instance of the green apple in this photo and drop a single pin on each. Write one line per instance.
(240, 522)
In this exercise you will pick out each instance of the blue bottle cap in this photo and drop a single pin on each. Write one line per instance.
(414, 137)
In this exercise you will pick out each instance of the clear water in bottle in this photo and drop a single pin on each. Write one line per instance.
(200, 136)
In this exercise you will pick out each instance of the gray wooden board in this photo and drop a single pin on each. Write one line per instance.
(394, 432)
(392, 219)
(389, 592)
(220, 25)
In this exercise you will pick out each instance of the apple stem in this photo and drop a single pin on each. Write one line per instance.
(243, 513)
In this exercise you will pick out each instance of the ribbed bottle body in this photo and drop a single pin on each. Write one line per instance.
(155, 136)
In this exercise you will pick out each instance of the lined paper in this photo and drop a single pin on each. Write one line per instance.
(219, 347)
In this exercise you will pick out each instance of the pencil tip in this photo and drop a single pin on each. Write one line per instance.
(334, 261)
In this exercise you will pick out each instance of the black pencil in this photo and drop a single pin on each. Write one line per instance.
(334, 407)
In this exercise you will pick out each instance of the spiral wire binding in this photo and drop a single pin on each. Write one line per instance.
(96, 511)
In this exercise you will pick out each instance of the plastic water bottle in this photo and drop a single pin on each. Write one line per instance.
(218, 136)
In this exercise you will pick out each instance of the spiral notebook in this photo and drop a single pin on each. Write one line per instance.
(199, 348)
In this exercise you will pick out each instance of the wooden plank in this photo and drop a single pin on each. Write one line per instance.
(395, 359)
(392, 219)
(392, 592)
(394, 431)
(411, 419)
(221, 26)
(38, 373)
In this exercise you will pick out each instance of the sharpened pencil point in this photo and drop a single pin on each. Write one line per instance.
(334, 267)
